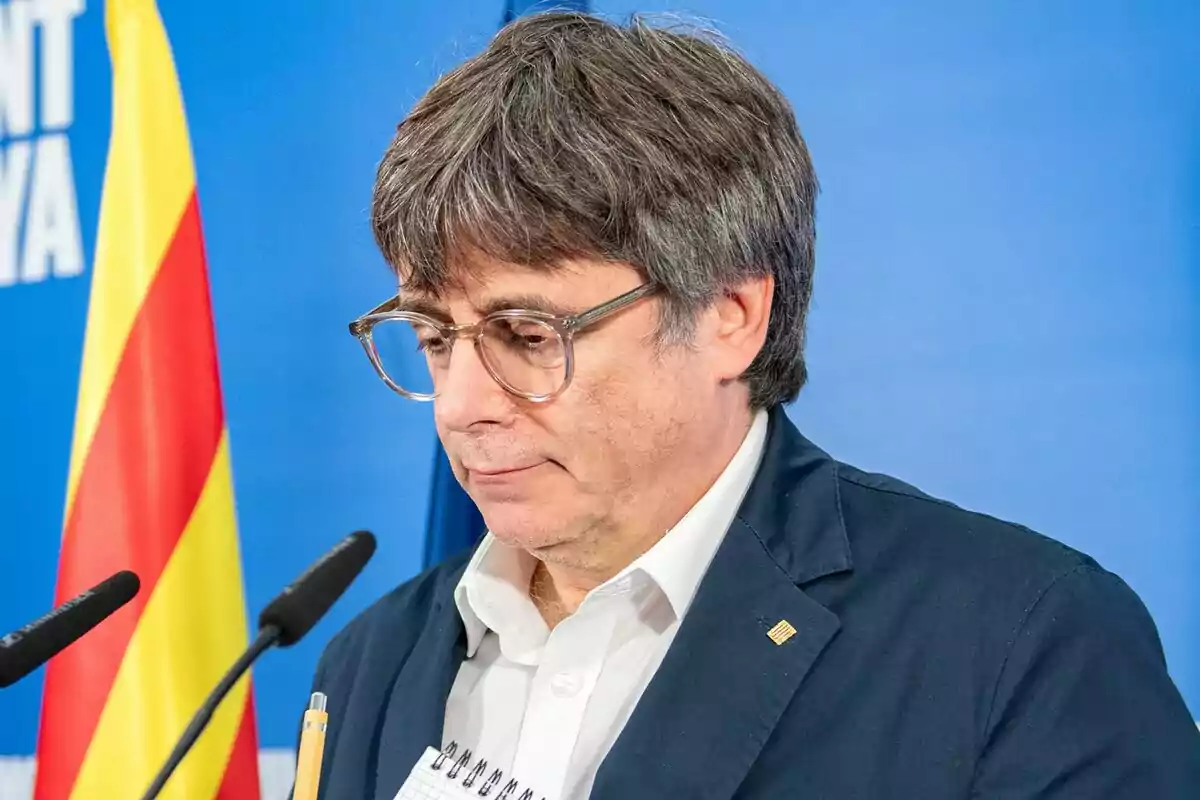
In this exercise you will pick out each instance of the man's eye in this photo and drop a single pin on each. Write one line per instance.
(532, 341)
(528, 336)
(433, 345)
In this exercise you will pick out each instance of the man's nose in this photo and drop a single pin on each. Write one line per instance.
(468, 395)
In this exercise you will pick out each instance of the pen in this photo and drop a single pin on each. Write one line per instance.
(312, 748)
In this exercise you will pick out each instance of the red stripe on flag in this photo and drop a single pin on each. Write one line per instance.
(153, 449)
(242, 769)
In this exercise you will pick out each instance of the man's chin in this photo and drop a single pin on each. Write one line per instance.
(523, 528)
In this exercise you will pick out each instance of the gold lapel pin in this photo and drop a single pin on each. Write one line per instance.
(782, 631)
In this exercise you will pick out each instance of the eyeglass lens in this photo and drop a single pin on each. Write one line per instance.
(524, 353)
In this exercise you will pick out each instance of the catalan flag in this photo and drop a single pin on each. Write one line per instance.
(150, 485)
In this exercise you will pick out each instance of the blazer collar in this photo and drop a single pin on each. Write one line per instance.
(414, 714)
(794, 506)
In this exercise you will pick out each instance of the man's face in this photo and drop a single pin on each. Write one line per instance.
(576, 469)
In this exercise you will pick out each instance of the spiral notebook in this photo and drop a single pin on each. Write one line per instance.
(451, 775)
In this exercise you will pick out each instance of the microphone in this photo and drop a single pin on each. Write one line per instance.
(284, 621)
(24, 650)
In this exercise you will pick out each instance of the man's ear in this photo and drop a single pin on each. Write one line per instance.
(742, 314)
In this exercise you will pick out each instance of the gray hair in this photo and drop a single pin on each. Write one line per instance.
(573, 137)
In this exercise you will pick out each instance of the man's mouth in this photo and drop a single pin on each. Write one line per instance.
(495, 473)
(491, 471)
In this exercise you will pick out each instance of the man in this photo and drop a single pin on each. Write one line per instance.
(604, 237)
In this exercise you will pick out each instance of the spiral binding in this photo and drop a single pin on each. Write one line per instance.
(475, 774)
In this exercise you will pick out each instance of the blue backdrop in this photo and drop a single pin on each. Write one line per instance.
(1007, 309)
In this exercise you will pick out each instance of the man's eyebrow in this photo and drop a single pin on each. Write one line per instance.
(422, 305)
(524, 302)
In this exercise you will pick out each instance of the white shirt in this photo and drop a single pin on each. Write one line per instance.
(546, 705)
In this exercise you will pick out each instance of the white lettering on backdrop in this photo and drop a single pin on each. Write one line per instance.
(39, 215)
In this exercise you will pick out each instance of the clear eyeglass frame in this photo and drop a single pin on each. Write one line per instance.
(564, 327)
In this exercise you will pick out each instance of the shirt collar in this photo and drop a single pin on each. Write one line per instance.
(677, 562)
(493, 593)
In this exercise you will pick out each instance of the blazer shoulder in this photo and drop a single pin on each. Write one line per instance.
(888, 518)
(1008, 601)
(399, 615)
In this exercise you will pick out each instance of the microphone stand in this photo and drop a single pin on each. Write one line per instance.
(267, 638)
(283, 622)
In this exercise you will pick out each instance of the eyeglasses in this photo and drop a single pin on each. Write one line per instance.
(529, 353)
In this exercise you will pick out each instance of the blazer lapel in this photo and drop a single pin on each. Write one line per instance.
(416, 706)
(735, 665)
(724, 682)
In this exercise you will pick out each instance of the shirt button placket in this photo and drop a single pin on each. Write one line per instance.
(571, 663)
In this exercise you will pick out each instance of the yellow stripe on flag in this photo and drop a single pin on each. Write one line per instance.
(192, 630)
(149, 157)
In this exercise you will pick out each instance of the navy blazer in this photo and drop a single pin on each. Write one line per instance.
(939, 653)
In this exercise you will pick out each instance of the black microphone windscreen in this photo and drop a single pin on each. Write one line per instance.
(23, 651)
(306, 600)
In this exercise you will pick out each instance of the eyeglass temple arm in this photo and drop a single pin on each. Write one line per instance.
(387, 305)
(604, 309)
(573, 323)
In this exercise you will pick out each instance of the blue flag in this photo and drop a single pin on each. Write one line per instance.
(515, 8)
(454, 523)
